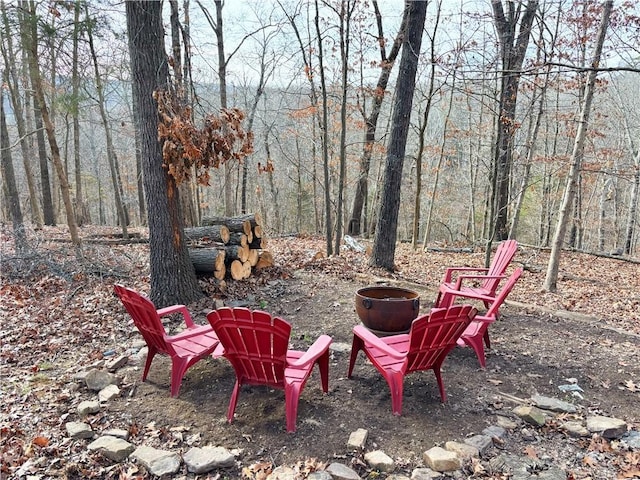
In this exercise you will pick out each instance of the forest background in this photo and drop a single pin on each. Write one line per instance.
(308, 91)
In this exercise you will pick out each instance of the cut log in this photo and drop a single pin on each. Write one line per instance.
(208, 260)
(215, 233)
(236, 252)
(254, 256)
(253, 218)
(238, 239)
(238, 270)
(257, 231)
(234, 224)
(265, 260)
(258, 243)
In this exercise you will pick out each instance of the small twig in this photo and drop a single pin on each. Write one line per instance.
(513, 398)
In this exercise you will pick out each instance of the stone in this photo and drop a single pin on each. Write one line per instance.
(553, 404)
(358, 439)
(523, 468)
(441, 460)
(607, 427)
(495, 431)
(113, 448)
(117, 363)
(397, 476)
(321, 475)
(88, 407)
(424, 473)
(205, 459)
(338, 471)
(379, 460)
(157, 462)
(79, 430)
(632, 440)
(481, 442)
(108, 393)
(96, 379)
(282, 473)
(117, 432)
(531, 415)
(463, 450)
(575, 429)
(506, 423)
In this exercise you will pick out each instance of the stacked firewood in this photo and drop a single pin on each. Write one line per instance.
(228, 246)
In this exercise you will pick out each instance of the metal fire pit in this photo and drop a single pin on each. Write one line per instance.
(387, 310)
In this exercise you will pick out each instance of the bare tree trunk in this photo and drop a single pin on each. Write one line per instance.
(443, 145)
(384, 245)
(324, 127)
(551, 279)
(12, 197)
(111, 152)
(513, 49)
(19, 111)
(36, 81)
(82, 213)
(423, 128)
(371, 121)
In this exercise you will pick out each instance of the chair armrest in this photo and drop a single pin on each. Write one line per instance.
(484, 318)
(378, 343)
(178, 309)
(451, 270)
(461, 278)
(189, 333)
(315, 351)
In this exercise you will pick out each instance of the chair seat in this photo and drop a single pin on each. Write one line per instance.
(428, 343)
(185, 348)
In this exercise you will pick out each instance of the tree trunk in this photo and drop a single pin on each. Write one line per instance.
(20, 111)
(12, 197)
(36, 81)
(173, 278)
(111, 152)
(384, 245)
(513, 49)
(324, 127)
(371, 121)
(551, 279)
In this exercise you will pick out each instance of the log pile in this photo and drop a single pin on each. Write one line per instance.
(229, 246)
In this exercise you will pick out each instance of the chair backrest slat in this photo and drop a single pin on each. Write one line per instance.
(145, 317)
(501, 260)
(502, 294)
(432, 336)
(255, 343)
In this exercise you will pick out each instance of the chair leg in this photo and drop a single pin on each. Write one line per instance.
(443, 394)
(291, 399)
(356, 346)
(487, 340)
(178, 368)
(396, 386)
(323, 365)
(151, 352)
(477, 344)
(233, 401)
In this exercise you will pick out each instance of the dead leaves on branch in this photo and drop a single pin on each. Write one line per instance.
(188, 150)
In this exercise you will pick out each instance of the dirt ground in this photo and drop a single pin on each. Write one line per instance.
(534, 351)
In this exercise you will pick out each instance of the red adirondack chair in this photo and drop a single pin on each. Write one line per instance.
(425, 347)
(476, 335)
(185, 348)
(257, 344)
(488, 278)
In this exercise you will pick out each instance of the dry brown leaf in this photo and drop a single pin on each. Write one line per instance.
(40, 441)
(589, 461)
(531, 452)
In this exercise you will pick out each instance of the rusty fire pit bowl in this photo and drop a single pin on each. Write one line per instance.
(387, 310)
